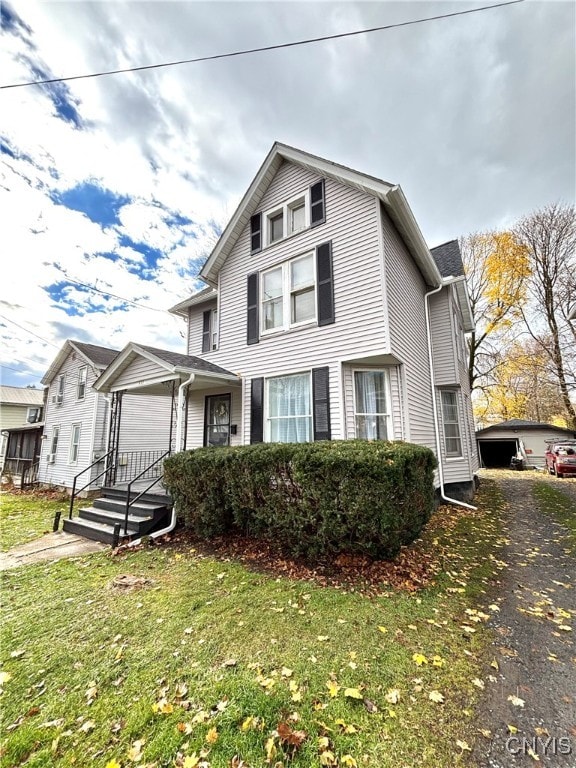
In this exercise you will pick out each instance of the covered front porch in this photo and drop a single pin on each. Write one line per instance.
(154, 396)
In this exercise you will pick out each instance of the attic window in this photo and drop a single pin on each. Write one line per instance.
(287, 219)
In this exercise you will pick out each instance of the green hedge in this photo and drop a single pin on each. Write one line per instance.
(313, 499)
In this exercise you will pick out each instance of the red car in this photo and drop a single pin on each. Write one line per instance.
(561, 458)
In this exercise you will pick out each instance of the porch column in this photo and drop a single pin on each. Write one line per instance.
(180, 413)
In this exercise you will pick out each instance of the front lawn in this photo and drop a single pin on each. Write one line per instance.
(26, 515)
(208, 663)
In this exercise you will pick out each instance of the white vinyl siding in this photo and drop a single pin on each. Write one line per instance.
(405, 289)
(138, 370)
(359, 328)
(196, 411)
(144, 425)
(446, 370)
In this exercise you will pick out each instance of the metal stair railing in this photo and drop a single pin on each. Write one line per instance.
(129, 501)
(76, 491)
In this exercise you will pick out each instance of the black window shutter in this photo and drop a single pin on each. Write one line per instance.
(206, 330)
(257, 410)
(321, 400)
(325, 286)
(252, 331)
(317, 204)
(256, 232)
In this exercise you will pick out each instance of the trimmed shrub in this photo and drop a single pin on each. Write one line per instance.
(313, 499)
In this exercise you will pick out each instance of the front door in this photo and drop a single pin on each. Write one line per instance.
(217, 420)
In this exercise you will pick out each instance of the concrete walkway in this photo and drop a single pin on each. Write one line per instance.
(51, 547)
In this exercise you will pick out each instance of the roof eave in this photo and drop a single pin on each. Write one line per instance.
(182, 307)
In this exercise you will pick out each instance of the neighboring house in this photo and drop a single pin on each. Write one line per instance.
(325, 316)
(79, 425)
(21, 411)
(498, 443)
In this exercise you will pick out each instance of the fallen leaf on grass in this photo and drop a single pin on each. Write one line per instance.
(333, 688)
(516, 701)
(352, 693)
(464, 746)
(88, 726)
(420, 659)
(348, 761)
(393, 696)
(212, 736)
(436, 696)
(135, 751)
(16, 654)
(288, 736)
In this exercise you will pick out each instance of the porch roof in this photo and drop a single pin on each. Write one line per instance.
(142, 369)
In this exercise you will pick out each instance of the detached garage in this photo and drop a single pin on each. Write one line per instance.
(498, 443)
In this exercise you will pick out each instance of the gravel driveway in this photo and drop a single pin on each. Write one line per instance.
(529, 711)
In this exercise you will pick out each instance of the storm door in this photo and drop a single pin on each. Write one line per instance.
(217, 420)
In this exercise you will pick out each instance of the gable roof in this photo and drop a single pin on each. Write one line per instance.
(391, 196)
(21, 395)
(524, 424)
(206, 294)
(98, 357)
(172, 363)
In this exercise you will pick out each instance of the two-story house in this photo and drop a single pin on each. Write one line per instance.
(325, 316)
(79, 421)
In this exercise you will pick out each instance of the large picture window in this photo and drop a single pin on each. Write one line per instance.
(289, 409)
(289, 294)
(451, 424)
(371, 409)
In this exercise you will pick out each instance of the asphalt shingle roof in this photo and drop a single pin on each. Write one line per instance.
(186, 361)
(448, 259)
(523, 424)
(100, 356)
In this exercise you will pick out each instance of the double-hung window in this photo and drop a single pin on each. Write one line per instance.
(371, 405)
(289, 294)
(288, 409)
(287, 219)
(74, 444)
(451, 424)
(54, 444)
(82, 378)
(58, 398)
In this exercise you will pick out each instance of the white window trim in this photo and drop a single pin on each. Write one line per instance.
(267, 402)
(284, 209)
(452, 456)
(214, 329)
(287, 324)
(387, 389)
(72, 461)
(51, 458)
(79, 382)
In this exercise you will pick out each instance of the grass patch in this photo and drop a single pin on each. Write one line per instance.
(26, 515)
(553, 501)
(208, 657)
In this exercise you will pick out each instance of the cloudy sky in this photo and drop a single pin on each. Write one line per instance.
(114, 189)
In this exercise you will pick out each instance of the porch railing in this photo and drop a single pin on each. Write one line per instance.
(76, 490)
(144, 474)
(29, 475)
(143, 464)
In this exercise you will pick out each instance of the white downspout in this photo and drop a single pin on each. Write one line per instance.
(443, 496)
(172, 524)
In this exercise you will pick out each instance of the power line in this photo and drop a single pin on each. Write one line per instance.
(308, 41)
(111, 295)
(27, 330)
(8, 368)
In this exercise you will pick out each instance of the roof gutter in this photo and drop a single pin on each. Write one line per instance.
(445, 282)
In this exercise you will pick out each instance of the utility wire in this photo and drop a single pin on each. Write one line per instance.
(8, 368)
(27, 330)
(262, 49)
(110, 295)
